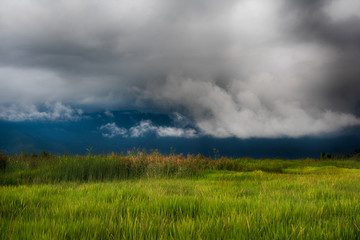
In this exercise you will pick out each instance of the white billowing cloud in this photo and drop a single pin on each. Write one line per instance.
(142, 128)
(175, 132)
(147, 127)
(261, 107)
(110, 130)
(55, 111)
(109, 114)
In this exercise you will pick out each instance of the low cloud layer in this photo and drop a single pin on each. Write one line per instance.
(55, 111)
(250, 68)
(144, 128)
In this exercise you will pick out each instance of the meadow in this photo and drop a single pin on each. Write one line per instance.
(142, 195)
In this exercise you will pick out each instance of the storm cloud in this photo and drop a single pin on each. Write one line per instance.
(249, 68)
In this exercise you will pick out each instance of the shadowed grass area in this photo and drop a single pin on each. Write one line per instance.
(53, 169)
(173, 197)
(137, 164)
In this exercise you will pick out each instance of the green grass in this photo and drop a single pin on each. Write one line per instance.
(160, 197)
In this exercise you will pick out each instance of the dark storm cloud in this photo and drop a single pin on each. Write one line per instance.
(250, 68)
(107, 50)
(318, 20)
(335, 24)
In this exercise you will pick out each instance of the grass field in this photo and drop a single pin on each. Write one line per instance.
(151, 196)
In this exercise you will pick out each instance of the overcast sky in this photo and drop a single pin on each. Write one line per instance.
(243, 68)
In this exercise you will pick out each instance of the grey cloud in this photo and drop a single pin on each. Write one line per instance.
(180, 120)
(250, 68)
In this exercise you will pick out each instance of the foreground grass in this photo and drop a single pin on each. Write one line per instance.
(262, 199)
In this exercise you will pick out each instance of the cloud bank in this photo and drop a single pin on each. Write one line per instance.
(55, 111)
(250, 68)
